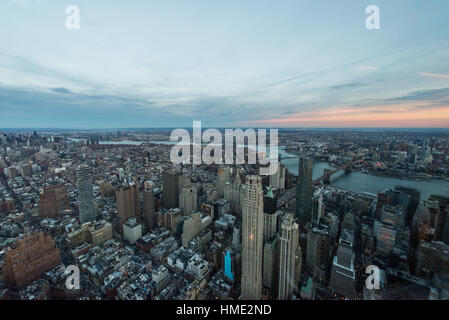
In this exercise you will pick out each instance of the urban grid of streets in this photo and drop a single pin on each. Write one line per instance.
(146, 229)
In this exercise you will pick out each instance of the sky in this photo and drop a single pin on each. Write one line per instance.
(258, 63)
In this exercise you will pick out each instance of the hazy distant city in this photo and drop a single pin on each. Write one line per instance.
(138, 142)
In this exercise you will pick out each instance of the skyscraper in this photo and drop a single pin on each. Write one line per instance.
(317, 254)
(270, 202)
(304, 190)
(343, 272)
(188, 199)
(85, 194)
(317, 210)
(277, 180)
(269, 226)
(191, 227)
(289, 244)
(223, 176)
(172, 185)
(252, 239)
(270, 215)
(415, 196)
(271, 244)
(233, 191)
(127, 203)
(271, 265)
(148, 206)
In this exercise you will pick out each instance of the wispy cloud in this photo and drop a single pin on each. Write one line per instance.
(61, 90)
(422, 95)
(434, 75)
(351, 85)
(157, 65)
(420, 108)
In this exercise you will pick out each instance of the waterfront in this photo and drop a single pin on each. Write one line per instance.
(353, 181)
(358, 182)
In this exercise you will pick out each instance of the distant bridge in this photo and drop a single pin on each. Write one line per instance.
(288, 195)
(328, 173)
(295, 156)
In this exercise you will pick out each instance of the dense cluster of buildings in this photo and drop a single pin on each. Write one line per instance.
(139, 227)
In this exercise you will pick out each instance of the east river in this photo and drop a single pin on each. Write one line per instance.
(353, 181)
(358, 182)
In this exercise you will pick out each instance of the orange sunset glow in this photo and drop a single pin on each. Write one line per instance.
(410, 114)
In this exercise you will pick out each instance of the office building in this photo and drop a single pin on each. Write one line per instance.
(270, 215)
(106, 188)
(34, 254)
(169, 219)
(252, 239)
(170, 188)
(132, 230)
(223, 176)
(277, 180)
(191, 227)
(304, 190)
(233, 192)
(127, 203)
(343, 273)
(317, 254)
(289, 241)
(271, 266)
(149, 213)
(85, 194)
(318, 209)
(432, 258)
(52, 201)
(188, 199)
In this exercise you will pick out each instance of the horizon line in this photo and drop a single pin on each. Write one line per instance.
(219, 127)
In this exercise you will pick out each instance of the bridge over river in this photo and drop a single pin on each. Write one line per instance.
(325, 178)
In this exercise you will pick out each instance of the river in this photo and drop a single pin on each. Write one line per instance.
(358, 182)
(353, 181)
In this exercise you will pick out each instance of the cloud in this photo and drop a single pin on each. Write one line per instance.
(24, 108)
(36, 73)
(423, 95)
(63, 108)
(418, 108)
(61, 90)
(348, 85)
(434, 75)
(397, 115)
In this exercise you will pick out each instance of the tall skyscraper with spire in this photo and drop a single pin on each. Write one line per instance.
(85, 194)
(252, 239)
(289, 244)
(304, 190)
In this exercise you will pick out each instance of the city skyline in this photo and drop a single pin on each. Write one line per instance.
(121, 221)
(210, 158)
(232, 64)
